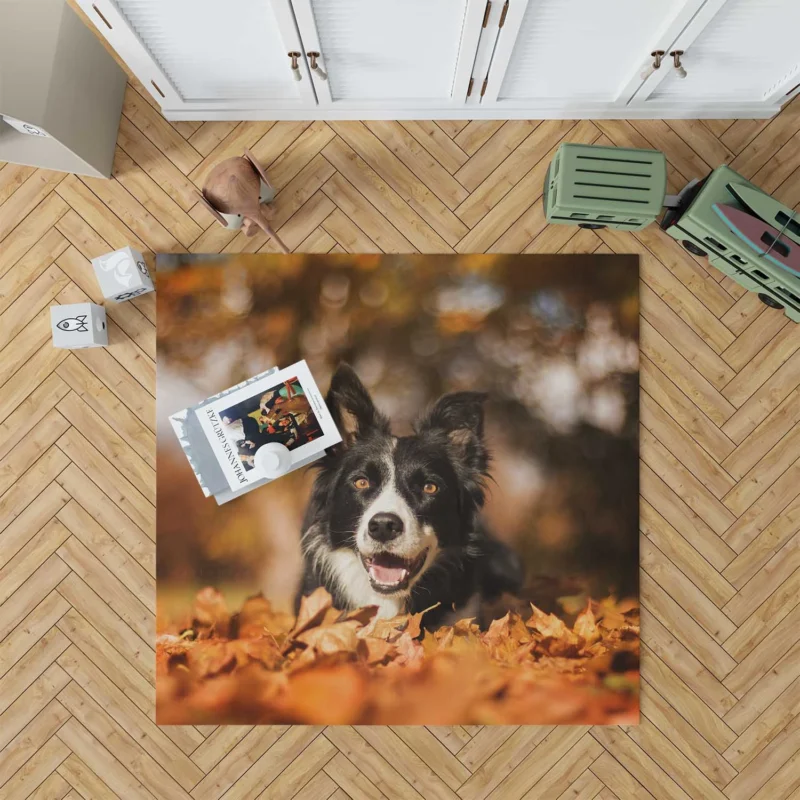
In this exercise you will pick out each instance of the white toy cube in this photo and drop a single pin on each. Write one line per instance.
(78, 325)
(122, 274)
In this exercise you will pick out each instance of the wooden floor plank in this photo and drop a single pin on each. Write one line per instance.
(108, 478)
(683, 735)
(419, 161)
(25, 199)
(758, 624)
(30, 267)
(348, 199)
(437, 143)
(501, 180)
(12, 176)
(156, 164)
(154, 199)
(91, 752)
(683, 556)
(36, 734)
(673, 762)
(130, 736)
(32, 228)
(357, 153)
(299, 153)
(159, 131)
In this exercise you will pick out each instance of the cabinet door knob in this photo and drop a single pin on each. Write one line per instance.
(651, 68)
(676, 60)
(296, 74)
(317, 70)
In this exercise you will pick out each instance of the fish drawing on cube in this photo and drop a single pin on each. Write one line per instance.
(122, 275)
(78, 325)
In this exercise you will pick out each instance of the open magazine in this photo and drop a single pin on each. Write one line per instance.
(257, 431)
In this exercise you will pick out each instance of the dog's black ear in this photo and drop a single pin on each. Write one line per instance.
(352, 408)
(460, 417)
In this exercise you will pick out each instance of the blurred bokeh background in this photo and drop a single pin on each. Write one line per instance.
(552, 339)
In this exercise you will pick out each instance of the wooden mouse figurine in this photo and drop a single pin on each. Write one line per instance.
(235, 191)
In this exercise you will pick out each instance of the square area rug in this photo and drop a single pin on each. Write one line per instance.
(463, 550)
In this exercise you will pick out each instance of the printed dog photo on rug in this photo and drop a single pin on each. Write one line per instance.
(466, 554)
(395, 522)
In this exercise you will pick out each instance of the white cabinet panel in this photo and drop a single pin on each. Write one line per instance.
(431, 59)
(582, 51)
(748, 51)
(207, 53)
(391, 52)
(224, 51)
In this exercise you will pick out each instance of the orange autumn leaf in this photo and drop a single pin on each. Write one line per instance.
(262, 651)
(586, 626)
(330, 616)
(170, 650)
(507, 638)
(410, 653)
(466, 627)
(556, 638)
(546, 624)
(376, 651)
(312, 610)
(210, 658)
(444, 636)
(339, 637)
(388, 629)
(363, 615)
(210, 615)
(257, 618)
(507, 628)
(414, 627)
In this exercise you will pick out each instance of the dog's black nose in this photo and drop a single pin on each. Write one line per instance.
(385, 527)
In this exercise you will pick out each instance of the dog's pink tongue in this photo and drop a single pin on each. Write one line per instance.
(387, 575)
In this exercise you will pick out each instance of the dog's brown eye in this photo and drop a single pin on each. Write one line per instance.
(361, 483)
(430, 488)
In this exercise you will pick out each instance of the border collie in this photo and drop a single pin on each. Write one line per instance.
(395, 522)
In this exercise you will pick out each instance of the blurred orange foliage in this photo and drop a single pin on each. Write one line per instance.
(325, 666)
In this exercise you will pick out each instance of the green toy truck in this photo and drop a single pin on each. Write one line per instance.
(605, 187)
(598, 187)
(696, 225)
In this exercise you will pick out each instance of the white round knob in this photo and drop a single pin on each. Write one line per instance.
(676, 60)
(294, 64)
(657, 56)
(313, 55)
(273, 459)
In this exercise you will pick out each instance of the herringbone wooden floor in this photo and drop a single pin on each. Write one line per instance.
(720, 505)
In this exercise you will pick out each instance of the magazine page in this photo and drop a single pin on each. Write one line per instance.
(285, 407)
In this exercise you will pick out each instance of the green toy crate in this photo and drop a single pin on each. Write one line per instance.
(598, 187)
(702, 232)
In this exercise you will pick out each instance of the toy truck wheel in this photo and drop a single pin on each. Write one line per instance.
(769, 301)
(694, 249)
(592, 226)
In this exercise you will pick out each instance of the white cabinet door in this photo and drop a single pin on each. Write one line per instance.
(208, 54)
(563, 54)
(737, 51)
(391, 54)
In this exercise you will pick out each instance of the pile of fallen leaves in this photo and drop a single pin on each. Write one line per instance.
(350, 667)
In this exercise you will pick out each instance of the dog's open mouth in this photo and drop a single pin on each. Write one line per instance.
(390, 573)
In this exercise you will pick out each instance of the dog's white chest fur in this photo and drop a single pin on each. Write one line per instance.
(347, 570)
